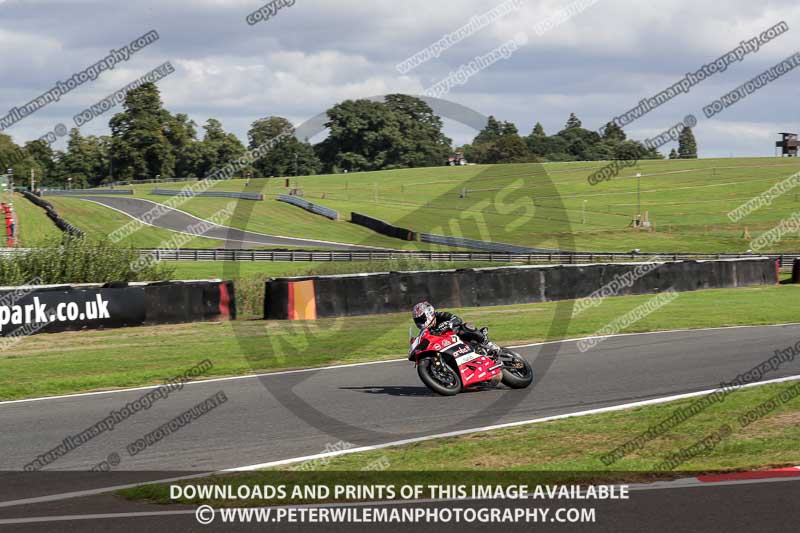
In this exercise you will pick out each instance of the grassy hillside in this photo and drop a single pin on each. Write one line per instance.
(269, 216)
(279, 218)
(98, 221)
(33, 225)
(548, 205)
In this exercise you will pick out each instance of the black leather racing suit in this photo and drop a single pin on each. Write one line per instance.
(467, 332)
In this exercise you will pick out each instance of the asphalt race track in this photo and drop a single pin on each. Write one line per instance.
(175, 220)
(289, 415)
(375, 403)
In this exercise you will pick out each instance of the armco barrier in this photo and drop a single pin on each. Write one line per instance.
(382, 227)
(60, 223)
(540, 258)
(211, 194)
(486, 246)
(85, 192)
(52, 308)
(309, 206)
(388, 292)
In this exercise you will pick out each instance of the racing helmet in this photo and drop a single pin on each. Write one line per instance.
(424, 315)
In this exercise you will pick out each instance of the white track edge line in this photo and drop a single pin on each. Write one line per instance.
(227, 227)
(203, 236)
(249, 468)
(507, 425)
(365, 363)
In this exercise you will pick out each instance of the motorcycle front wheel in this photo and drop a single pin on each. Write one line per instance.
(439, 376)
(517, 372)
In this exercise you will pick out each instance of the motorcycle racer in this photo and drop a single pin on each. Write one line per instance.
(426, 317)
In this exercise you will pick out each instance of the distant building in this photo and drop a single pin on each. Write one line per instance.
(788, 144)
(457, 159)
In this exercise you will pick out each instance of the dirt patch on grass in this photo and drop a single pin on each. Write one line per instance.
(772, 425)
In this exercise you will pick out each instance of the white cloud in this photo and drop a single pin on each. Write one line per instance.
(316, 53)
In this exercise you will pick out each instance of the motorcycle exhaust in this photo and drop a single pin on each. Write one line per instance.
(495, 367)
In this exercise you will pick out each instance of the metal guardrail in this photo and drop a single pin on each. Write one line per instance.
(494, 257)
(202, 254)
(144, 182)
(214, 194)
(79, 192)
(473, 244)
(327, 212)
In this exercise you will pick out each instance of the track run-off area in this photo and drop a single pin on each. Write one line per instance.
(180, 221)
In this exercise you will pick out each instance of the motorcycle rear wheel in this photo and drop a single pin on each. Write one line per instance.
(440, 378)
(517, 373)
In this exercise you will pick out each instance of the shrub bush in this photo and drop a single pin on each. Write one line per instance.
(79, 260)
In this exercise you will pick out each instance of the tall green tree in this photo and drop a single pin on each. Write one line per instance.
(572, 122)
(403, 131)
(359, 138)
(509, 128)
(537, 141)
(687, 146)
(77, 163)
(581, 143)
(99, 153)
(44, 155)
(288, 156)
(419, 140)
(140, 147)
(508, 148)
(498, 142)
(612, 132)
(181, 132)
(36, 156)
(490, 133)
(10, 153)
(218, 148)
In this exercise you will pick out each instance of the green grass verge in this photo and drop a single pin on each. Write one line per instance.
(98, 222)
(90, 360)
(263, 269)
(687, 200)
(34, 227)
(279, 218)
(565, 450)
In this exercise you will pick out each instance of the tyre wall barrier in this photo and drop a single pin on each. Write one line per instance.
(210, 194)
(60, 222)
(306, 298)
(382, 227)
(85, 192)
(52, 308)
(309, 206)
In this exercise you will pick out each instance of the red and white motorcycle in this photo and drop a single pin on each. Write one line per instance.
(447, 365)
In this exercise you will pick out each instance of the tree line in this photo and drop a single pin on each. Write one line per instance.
(148, 142)
(500, 142)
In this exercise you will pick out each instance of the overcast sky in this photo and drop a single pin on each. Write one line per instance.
(308, 56)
